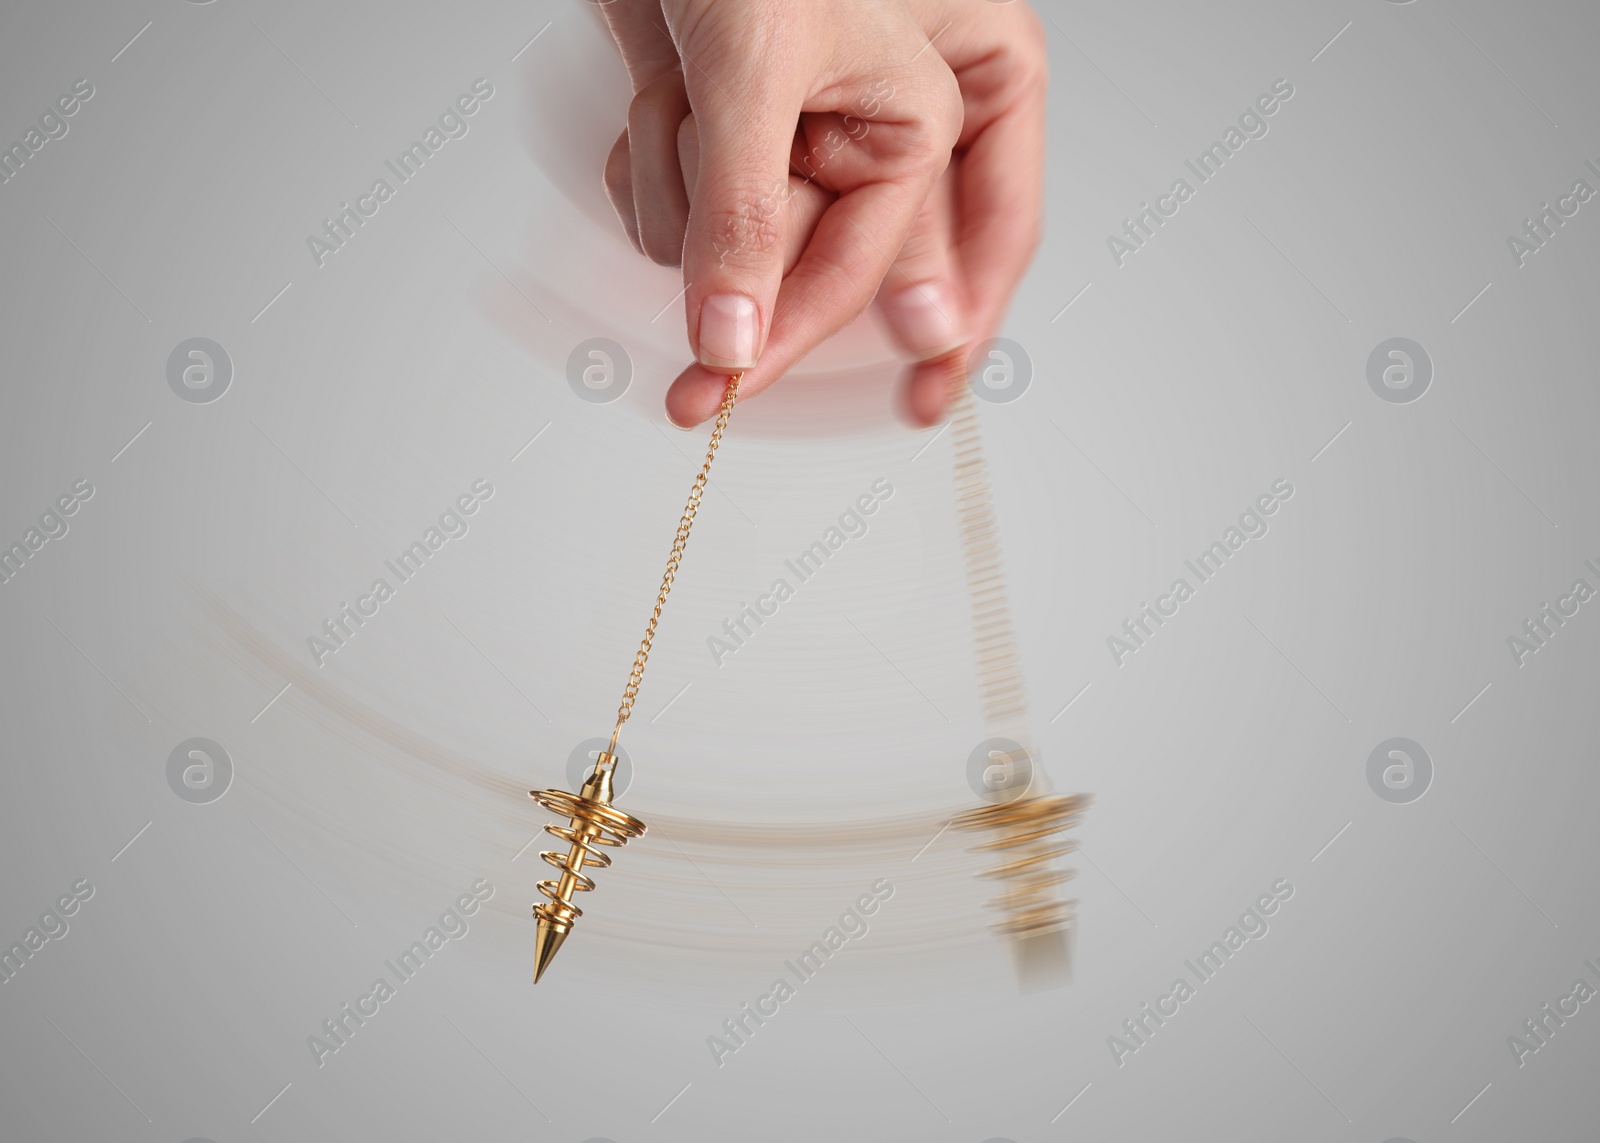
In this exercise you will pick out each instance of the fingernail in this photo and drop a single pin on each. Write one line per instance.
(925, 319)
(675, 424)
(729, 327)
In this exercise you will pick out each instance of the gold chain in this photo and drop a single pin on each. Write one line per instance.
(678, 542)
(1004, 701)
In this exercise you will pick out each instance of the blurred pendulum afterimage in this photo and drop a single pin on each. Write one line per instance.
(1019, 819)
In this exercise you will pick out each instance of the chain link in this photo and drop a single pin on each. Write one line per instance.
(678, 542)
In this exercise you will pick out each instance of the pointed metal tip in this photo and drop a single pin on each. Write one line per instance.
(1043, 960)
(545, 946)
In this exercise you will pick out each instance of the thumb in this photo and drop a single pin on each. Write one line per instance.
(799, 207)
(746, 109)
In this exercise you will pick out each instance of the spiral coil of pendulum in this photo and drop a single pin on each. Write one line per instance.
(1036, 921)
(600, 825)
(593, 823)
(1028, 867)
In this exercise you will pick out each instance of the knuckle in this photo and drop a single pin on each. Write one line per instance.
(616, 172)
(616, 159)
(659, 104)
(745, 233)
(932, 135)
(661, 248)
(955, 109)
(923, 247)
(848, 292)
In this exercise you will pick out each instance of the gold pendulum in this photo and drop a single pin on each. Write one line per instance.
(593, 821)
(1034, 921)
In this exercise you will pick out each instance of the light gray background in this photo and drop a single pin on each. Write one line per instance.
(1229, 752)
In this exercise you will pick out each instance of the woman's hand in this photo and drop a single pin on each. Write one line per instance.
(795, 155)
